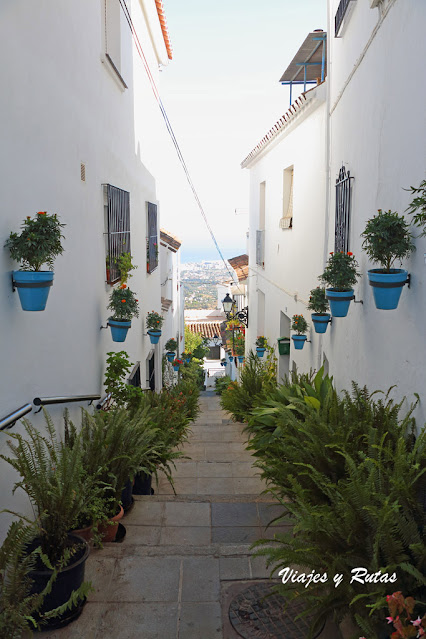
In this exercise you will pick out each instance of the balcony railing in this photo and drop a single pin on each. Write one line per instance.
(260, 248)
(342, 11)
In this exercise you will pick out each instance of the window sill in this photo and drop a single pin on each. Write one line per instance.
(115, 73)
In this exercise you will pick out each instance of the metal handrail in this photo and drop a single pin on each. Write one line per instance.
(45, 401)
(10, 420)
(103, 401)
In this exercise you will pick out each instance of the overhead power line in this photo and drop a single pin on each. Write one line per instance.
(169, 128)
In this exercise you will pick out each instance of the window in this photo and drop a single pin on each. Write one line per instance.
(260, 248)
(135, 377)
(152, 239)
(112, 37)
(343, 206)
(286, 221)
(117, 213)
(341, 18)
(260, 234)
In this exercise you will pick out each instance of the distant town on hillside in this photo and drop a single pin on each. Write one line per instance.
(200, 280)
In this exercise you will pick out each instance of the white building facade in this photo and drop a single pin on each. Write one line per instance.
(80, 116)
(363, 124)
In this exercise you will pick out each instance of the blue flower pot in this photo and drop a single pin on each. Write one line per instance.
(188, 359)
(119, 329)
(231, 358)
(339, 301)
(260, 351)
(154, 336)
(170, 356)
(299, 341)
(241, 358)
(387, 287)
(223, 363)
(33, 288)
(320, 322)
(176, 368)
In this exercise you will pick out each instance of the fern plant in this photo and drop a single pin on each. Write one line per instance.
(257, 379)
(19, 605)
(55, 480)
(346, 470)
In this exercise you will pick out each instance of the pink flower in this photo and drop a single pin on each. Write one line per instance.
(417, 622)
(389, 619)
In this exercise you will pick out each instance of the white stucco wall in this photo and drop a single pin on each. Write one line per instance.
(379, 130)
(65, 105)
(294, 256)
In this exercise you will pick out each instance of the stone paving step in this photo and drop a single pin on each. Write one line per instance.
(168, 578)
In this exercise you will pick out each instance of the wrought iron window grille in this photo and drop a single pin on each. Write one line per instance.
(152, 239)
(118, 229)
(343, 208)
(342, 14)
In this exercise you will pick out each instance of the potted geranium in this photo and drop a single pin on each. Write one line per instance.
(300, 325)
(387, 238)
(154, 322)
(340, 274)
(171, 348)
(38, 244)
(124, 306)
(177, 363)
(261, 344)
(318, 303)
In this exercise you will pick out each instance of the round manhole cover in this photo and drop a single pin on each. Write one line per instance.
(255, 615)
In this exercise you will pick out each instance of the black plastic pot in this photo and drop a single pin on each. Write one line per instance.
(126, 496)
(69, 579)
(142, 485)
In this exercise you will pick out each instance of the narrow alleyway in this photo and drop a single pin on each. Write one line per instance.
(174, 574)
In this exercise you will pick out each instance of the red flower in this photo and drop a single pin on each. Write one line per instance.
(123, 301)
(42, 213)
(350, 253)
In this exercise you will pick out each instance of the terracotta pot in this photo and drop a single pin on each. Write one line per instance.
(86, 533)
(108, 531)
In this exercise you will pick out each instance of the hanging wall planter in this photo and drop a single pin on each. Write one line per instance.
(33, 288)
(387, 238)
(119, 329)
(260, 351)
(154, 322)
(387, 287)
(154, 336)
(339, 301)
(284, 345)
(321, 321)
(241, 358)
(170, 356)
(39, 243)
(299, 341)
(231, 359)
(340, 274)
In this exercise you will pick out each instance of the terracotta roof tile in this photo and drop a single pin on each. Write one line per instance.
(164, 29)
(240, 266)
(172, 240)
(206, 329)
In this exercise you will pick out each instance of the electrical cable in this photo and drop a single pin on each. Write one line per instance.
(169, 128)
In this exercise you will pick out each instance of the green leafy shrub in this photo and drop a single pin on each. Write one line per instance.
(193, 371)
(318, 303)
(417, 206)
(387, 238)
(261, 342)
(39, 242)
(171, 345)
(257, 379)
(340, 272)
(347, 472)
(299, 324)
(221, 383)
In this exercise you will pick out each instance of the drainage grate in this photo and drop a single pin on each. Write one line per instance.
(254, 615)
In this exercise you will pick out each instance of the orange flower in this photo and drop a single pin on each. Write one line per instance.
(350, 253)
(42, 213)
(123, 286)
(123, 301)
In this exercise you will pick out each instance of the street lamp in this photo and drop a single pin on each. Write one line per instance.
(229, 309)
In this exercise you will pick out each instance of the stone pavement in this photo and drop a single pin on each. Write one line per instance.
(182, 555)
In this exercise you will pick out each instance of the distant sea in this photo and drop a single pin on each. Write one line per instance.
(209, 254)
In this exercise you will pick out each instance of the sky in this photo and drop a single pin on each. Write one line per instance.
(222, 94)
